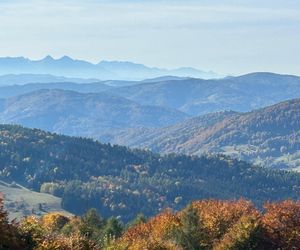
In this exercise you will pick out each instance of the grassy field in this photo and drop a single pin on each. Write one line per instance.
(20, 201)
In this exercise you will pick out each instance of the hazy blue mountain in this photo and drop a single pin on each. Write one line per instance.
(2, 104)
(191, 72)
(164, 78)
(73, 113)
(196, 96)
(140, 71)
(269, 136)
(21, 79)
(120, 83)
(85, 87)
(104, 70)
(14, 90)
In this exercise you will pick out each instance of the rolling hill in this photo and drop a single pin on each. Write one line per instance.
(269, 136)
(15, 90)
(123, 182)
(192, 96)
(79, 114)
(197, 97)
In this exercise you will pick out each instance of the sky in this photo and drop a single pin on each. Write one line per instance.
(228, 36)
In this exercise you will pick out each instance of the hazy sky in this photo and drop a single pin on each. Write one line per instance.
(229, 37)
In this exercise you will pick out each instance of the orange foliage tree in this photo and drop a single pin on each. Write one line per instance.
(281, 222)
(154, 234)
(219, 216)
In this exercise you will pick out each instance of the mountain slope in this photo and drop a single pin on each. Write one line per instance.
(80, 114)
(196, 96)
(104, 70)
(172, 136)
(269, 136)
(120, 181)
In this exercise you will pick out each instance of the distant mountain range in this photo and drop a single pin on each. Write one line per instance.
(104, 70)
(189, 95)
(269, 136)
(89, 114)
(157, 114)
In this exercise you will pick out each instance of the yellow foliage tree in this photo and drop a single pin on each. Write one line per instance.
(54, 221)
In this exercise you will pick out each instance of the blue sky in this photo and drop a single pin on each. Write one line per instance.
(229, 37)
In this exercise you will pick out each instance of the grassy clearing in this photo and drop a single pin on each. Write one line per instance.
(20, 201)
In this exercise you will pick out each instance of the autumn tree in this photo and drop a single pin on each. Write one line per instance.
(245, 234)
(281, 222)
(154, 234)
(54, 221)
(219, 216)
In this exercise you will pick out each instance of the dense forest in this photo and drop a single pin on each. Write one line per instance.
(203, 224)
(122, 182)
(268, 136)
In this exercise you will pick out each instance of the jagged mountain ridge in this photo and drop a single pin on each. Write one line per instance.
(104, 70)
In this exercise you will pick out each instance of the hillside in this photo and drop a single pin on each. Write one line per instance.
(120, 181)
(79, 114)
(197, 97)
(269, 136)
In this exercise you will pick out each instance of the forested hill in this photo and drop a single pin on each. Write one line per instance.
(268, 136)
(120, 181)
